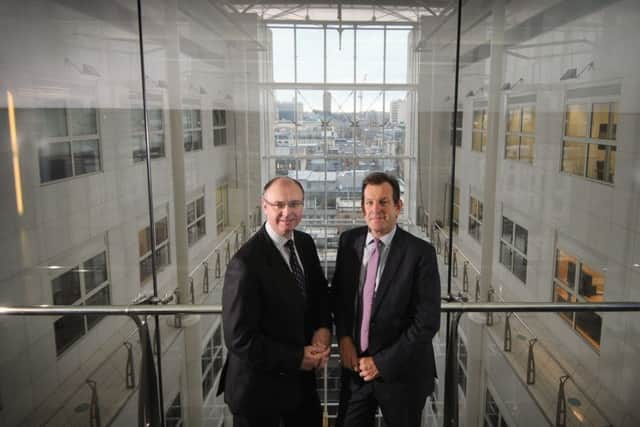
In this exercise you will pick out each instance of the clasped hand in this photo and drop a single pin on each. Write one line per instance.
(317, 354)
(364, 366)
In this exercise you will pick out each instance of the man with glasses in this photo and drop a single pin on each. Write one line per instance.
(386, 303)
(276, 318)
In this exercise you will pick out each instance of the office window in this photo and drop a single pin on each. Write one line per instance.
(574, 281)
(219, 127)
(479, 130)
(222, 207)
(520, 134)
(211, 361)
(156, 134)
(456, 209)
(69, 141)
(492, 415)
(163, 257)
(589, 142)
(196, 221)
(475, 218)
(174, 413)
(191, 130)
(84, 284)
(513, 248)
(462, 365)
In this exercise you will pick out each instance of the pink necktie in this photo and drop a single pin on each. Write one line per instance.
(367, 294)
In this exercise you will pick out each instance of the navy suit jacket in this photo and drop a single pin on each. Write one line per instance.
(267, 323)
(405, 314)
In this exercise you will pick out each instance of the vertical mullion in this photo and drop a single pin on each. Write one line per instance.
(295, 97)
(355, 98)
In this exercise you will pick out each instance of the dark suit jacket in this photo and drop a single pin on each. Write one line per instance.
(405, 314)
(267, 323)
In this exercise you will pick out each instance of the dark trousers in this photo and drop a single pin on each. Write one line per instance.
(308, 413)
(358, 404)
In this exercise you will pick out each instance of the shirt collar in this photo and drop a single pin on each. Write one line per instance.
(386, 239)
(277, 239)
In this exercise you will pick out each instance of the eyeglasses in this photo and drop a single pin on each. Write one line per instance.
(291, 204)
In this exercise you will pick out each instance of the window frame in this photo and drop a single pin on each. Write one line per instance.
(88, 321)
(475, 218)
(520, 132)
(479, 130)
(219, 128)
(512, 246)
(189, 131)
(588, 141)
(137, 134)
(574, 295)
(222, 207)
(197, 219)
(70, 139)
(158, 246)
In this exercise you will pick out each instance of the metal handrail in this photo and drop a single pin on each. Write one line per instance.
(147, 398)
(447, 307)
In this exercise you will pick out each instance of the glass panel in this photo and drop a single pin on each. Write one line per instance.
(369, 55)
(591, 284)
(200, 207)
(506, 255)
(478, 119)
(396, 67)
(577, 119)
(55, 161)
(513, 120)
(560, 294)
(83, 121)
(144, 241)
(340, 55)
(573, 156)
(310, 54)
(520, 267)
(191, 212)
(566, 268)
(66, 288)
(601, 162)
(95, 272)
(162, 231)
(102, 297)
(521, 239)
(511, 148)
(477, 143)
(528, 119)
(526, 148)
(156, 119)
(51, 122)
(219, 118)
(86, 157)
(600, 126)
(68, 329)
(283, 54)
(589, 325)
(507, 229)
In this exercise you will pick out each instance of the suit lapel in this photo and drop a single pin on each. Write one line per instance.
(394, 259)
(358, 248)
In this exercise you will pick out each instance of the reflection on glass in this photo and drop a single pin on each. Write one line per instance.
(55, 161)
(511, 147)
(95, 271)
(528, 119)
(86, 157)
(83, 121)
(526, 148)
(514, 120)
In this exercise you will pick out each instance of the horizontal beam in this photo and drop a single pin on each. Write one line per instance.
(450, 307)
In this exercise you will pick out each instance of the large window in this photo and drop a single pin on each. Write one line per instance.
(589, 142)
(69, 141)
(520, 135)
(156, 133)
(479, 130)
(84, 284)
(513, 248)
(196, 220)
(211, 361)
(222, 207)
(475, 218)
(219, 127)
(192, 130)
(163, 257)
(575, 281)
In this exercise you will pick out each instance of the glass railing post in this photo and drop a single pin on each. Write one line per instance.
(205, 278)
(561, 407)
(130, 376)
(531, 363)
(507, 332)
